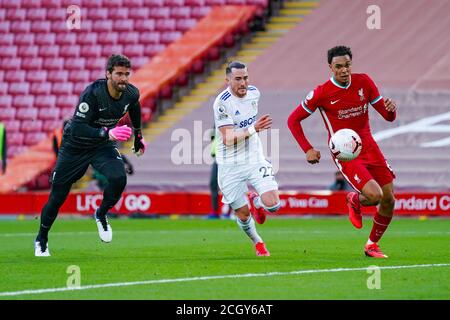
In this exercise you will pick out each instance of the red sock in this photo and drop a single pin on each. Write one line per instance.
(355, 199)
(380, 224)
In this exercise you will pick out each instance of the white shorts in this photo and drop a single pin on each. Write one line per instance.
(233, 181)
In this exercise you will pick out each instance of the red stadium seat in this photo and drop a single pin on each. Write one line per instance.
(51, 4)
(153, 3)
(133, 3)
(69, 102)
(215, 2)
(97, 13)
(16, 14)
(27, 51)
(74, 64)
(67, 112)
(36, 14)
(7, 113)
(31, 126)
(174, 3)
(15, 139)
(97, 74)
(171, 36)
(150, 38)
(95, 63)
(133, 50)
(144, 25)
(12, 125)
(138, 13)
(49, 51)
(54, 63)
(180, 12)
(6, 39)
(91, 51)
(194, 3)
(5, 101)
(65, 38)
(8, 51)
(31, 4)
(112, 3)
(3, 88)
(2, 75)
(79, 76)
(79, 87)
(15, 76)
(160, 13)
(111, 49)
(118, 13)
(41, 26)
(32, 63)
(105, 38)
(84, 38)
(40, 88)
(138, 62)
(18, 88)
(62, 88)
(200, 12)
(36, 76)
(56, 14)
(51, 125)
(153, 49)
(44, 39)
(23, 38)
(32, 138)
(4, 27)
(67, 51)
(102, 26)
(185, 24)
(123, 25)
(165, 24)
(11, 63)
(23, 101)
(91, 4)
(11, 4)
(27, 114)
(129, 38)
(46, 101)
(49, 113)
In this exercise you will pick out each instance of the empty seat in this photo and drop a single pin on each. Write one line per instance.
(11, 4)
(31, 4)
(41, 26)
(45, 101)
(8, 51)
(129, 38)
(12, 125)
(49, 113)
(32, 138)
(24, 39)
(165, 24)
(14, 76)
(171, 36)
(59, 27)
(27, 51)
(53, 63)
(44, 39)
(27, 114)
(138, 62)
(31, 126)
(199, 12)
(79, 76)
(49, 51)
(51, 4)
(159, 13)
(5, 100)
(11, 63)
(97, 13)
(194, 3)
(185, 24)
(215, 2)
(63, 88)
(102, 25)
(180, 12)
(79, 87)
(69, 101)
(50, 125)
(16, 14)
(15, 139)
(138, 13)
(144, 25)
(153, 49)
(67, 51)
(107, 38)
(84, 38)
(95, 63)
(134, 50)
(4, 26)
(112, 3)
(67, 113)
(74, 64)
(150, 38)
(56, 14)
(57, 75)
(65, 38)
(6, 39)
(7, 113)
(153, 3)
(91, 4)
(108, 50)
(118, 13)
(32, 63)
(18, 88)
(98, 74)
(3, 88)
(123, 25)
(40, 88)
(174, 3)
(36, 76)
(91, 51)
(36, 14)
(23, 101)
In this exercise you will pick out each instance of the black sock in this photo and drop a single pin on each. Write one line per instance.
(43, 233)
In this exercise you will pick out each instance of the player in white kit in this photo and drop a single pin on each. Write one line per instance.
(240, 156)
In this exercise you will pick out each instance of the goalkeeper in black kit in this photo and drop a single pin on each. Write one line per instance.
(90, 138)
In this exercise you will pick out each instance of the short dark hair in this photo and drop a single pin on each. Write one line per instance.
(339, 51)
(235, 65)
(117, 60)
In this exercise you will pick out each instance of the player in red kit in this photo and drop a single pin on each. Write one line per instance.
(343, 102)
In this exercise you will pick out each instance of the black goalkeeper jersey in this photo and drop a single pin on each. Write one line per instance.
(96, 110)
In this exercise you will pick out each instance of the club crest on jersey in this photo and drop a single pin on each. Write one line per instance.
(361, 94)
(83, 107)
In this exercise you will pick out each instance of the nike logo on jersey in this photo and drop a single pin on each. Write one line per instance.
(333, 102)
(102, 109)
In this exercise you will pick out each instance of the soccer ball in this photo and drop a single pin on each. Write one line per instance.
(345, 144)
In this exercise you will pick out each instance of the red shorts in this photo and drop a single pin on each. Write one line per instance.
(368, 165)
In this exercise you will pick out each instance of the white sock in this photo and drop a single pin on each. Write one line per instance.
(250, 229)
(257, 202)
(370, 242)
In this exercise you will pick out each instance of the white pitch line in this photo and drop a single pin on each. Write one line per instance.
(231, 276)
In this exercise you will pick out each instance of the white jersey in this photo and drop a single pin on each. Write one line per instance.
(241, 113)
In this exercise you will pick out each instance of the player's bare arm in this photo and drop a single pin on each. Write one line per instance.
(232, 136)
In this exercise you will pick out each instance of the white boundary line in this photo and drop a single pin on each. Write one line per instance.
(231, 276)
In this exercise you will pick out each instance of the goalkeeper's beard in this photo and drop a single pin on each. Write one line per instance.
(120, 87)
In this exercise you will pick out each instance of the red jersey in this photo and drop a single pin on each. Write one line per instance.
(341, 107)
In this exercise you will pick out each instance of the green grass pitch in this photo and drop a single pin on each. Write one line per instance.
(190, 259)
